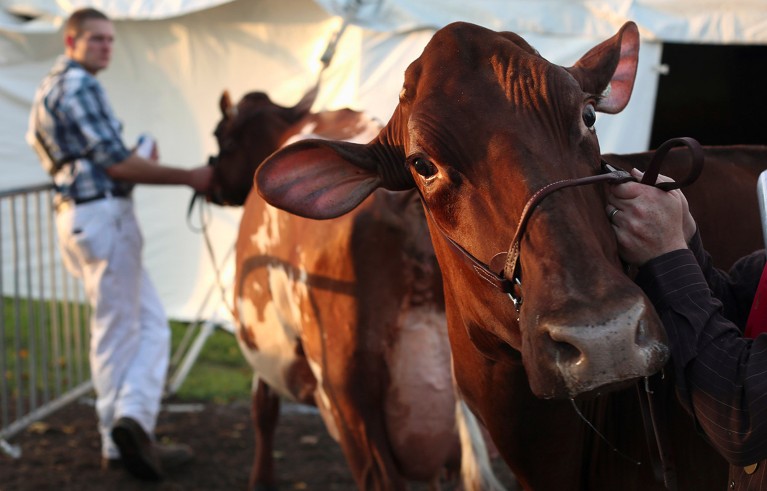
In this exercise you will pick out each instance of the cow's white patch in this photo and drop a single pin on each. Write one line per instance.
(366, 128)
(306, 132)
(323, 402)
(276, 330)
(267, 235)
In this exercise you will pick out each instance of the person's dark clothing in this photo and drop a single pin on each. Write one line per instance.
(721, 376)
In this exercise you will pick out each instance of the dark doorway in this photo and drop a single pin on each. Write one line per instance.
(715, 94)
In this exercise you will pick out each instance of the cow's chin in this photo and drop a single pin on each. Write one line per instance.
(580, 391)
(605, 389)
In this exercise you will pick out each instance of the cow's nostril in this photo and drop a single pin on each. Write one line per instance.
(567, 354)
(641, 338)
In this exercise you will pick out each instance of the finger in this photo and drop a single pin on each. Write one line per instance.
(662, 178)
(612, 214)
(627, 190)
(638, 174)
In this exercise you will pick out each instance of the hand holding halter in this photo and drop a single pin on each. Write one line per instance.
(614, 176)
(651, 175)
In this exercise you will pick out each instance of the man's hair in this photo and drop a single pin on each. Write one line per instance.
(74, 25)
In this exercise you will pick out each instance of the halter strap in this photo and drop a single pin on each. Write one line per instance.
(611, 176)
(507, 280)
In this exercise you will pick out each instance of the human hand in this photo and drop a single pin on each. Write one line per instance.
(689, 226)
(201, 178)
(147, 148)
(649, 222)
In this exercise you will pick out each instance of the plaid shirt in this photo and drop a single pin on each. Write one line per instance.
(721, 376)
(75, 133)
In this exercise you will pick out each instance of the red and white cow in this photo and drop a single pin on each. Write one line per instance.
(346, 314)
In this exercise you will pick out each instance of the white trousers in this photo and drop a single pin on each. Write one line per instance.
(101, 243)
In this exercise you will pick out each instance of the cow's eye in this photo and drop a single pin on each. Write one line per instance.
(589, 115)
(424, 167)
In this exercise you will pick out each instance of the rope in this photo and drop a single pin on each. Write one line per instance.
(600, 435)
(203, 228)
(350, 10)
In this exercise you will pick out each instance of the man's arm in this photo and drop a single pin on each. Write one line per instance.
(91, 110)
(139, 170)
(720, 375)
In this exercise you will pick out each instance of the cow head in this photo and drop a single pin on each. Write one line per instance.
(483, 123)
(248, 133)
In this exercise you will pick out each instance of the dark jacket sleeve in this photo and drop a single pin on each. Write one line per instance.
(721, 377)
(736, 288)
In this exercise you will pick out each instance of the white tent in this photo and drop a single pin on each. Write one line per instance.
(173, 59)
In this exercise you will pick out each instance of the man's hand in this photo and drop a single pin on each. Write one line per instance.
(143, 171)
(201, 178)
(649, 222)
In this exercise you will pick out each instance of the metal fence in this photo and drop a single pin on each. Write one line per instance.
(43, 316)
(44, 319)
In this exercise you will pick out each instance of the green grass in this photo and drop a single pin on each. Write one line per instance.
(44, 340)
(220, 373)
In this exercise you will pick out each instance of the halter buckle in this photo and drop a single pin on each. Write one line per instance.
(516, 300)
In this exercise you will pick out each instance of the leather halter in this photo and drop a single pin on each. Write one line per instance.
(507, 279)
(652, 398)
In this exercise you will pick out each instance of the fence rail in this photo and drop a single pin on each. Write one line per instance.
(43, 315)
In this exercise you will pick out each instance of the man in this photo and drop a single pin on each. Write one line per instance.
(78, 139)
(721, 375)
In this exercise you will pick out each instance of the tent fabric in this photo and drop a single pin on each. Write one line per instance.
(166, 78)
(173, 60)
(703, 21)
(700, 21)
(116, 9)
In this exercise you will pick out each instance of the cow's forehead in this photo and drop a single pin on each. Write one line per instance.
(473, 84)
(464, 59)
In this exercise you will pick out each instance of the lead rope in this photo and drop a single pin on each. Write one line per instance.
(652, 405)
(600, 435)
(203, 229)
(350, 10)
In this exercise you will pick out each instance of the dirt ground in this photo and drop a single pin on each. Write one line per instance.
(62, 452)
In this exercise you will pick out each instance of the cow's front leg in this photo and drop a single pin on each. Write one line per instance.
(265, 410)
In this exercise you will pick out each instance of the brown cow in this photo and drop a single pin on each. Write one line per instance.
(483, 124)
(327, 315)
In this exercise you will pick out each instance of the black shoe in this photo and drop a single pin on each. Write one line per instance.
(136, 450)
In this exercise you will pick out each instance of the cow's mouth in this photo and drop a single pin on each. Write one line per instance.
(606, 389)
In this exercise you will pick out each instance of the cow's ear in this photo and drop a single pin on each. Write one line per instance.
(318, 178)
(608, 70)
(225, 104)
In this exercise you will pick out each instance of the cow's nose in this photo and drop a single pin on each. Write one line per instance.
(621, 347)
